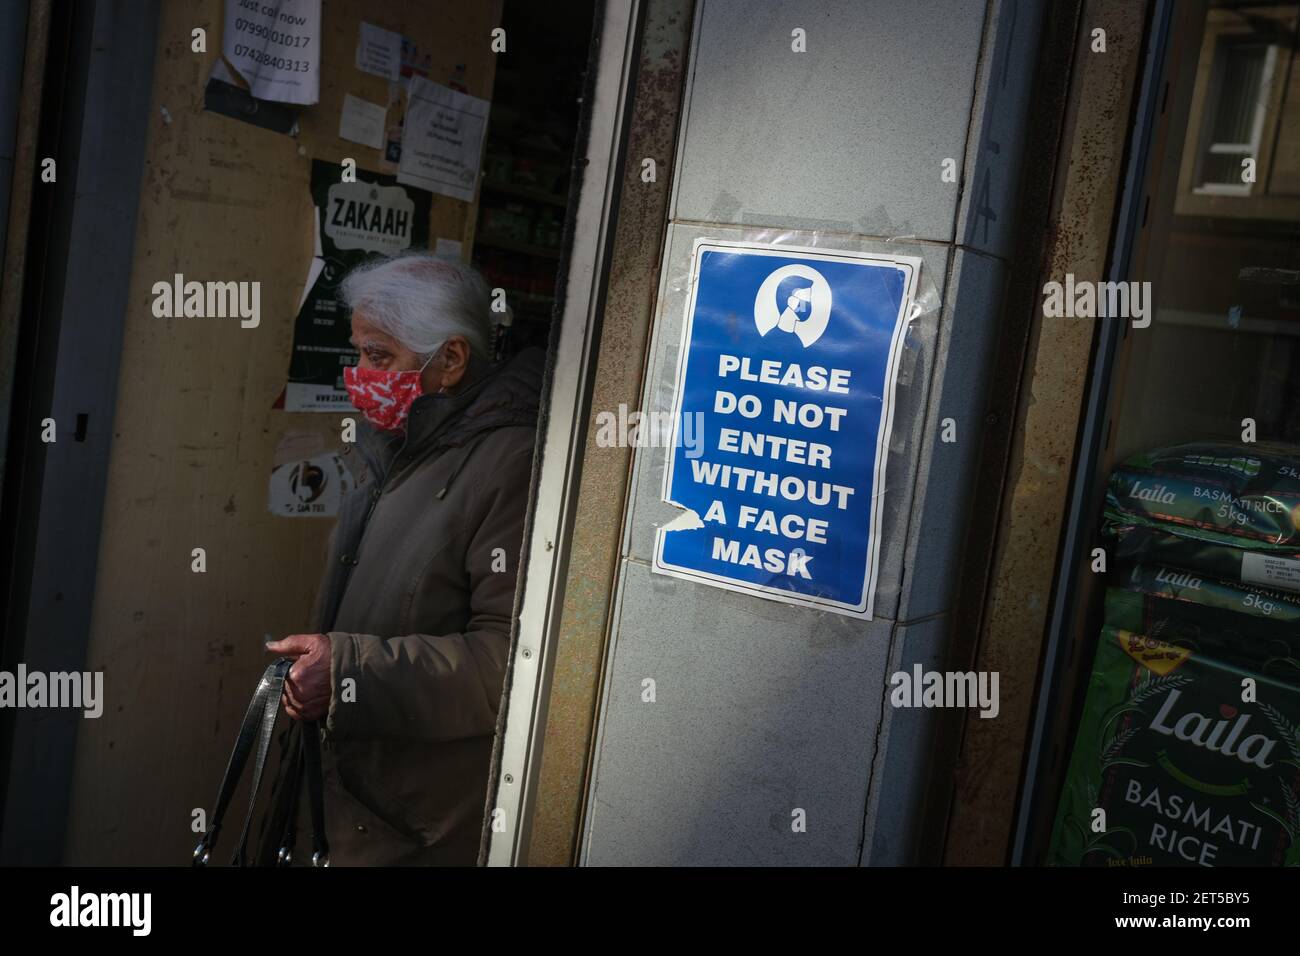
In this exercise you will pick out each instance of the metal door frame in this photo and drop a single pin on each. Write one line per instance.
(517, 756)
(1033, 801)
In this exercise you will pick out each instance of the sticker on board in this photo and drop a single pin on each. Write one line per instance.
(788, 363)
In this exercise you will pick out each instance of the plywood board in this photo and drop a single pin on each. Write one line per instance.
(195, 433)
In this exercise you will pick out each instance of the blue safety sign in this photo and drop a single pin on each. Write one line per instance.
(785, 388)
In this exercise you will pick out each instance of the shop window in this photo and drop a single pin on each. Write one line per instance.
(1176, 740)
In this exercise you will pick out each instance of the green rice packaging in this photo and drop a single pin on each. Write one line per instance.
(1253, 642)
(1237, 560)
(1242, 495)
(1197, 587)
(1188, 747)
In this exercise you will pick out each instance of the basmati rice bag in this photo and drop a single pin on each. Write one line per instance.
(1241, 495)
(1184, 771)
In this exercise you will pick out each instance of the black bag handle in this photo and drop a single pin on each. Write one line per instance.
(305, 758)
(315, 793)
(286, 819)
(257, 728)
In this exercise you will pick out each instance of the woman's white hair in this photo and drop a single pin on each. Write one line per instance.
(422, 301)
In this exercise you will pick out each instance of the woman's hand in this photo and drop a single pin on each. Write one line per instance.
(307, 687)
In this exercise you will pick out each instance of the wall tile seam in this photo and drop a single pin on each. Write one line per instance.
(586, 821)
(982, 253)
(884, 729)
(923, 618)
(682, 135)
(852, 236)
(920, 488)
(935, 407)
(1015, 138)
(925, 453)
(830, 233)
(878, 619)
(871, 799)
(977, 79)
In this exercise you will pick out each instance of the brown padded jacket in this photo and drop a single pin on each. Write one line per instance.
(417, 600)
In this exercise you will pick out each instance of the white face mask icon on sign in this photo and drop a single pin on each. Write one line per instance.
(805, 311)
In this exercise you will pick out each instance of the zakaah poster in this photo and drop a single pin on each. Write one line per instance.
(358, 221)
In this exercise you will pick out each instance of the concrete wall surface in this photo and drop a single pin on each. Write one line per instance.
(763, 708)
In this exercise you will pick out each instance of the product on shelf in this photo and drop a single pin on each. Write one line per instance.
(1246, 495)
(1188, 747)
(1185, 771)
(1238, 560)
(1197, 587)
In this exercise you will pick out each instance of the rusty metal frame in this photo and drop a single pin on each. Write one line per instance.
(1074, 584)
(1030, 459)
(541, 779)
(618, 378)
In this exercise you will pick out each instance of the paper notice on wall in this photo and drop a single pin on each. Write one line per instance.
(357, 221)
(307, 480)
(275, 46)
(764, 323)
(415, 62)
(443, 140)
(379, 52)
(317, 263)
(362, 122)
(225, 95)
(313, 273)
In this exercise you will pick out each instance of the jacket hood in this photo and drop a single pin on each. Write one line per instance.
(496, 397)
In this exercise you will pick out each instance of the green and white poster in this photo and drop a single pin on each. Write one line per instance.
(358, 221)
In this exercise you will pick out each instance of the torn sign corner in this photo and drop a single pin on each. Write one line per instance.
(688, 520)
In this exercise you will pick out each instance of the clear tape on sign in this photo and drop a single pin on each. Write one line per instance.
(796, 389)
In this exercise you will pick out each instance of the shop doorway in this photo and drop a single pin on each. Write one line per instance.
(527, 164)
(171, 453)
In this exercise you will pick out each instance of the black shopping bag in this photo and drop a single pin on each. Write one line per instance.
(255, 735)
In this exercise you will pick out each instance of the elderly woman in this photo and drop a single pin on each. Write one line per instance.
(406, 662)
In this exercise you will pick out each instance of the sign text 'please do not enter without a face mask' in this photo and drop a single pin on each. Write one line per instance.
(791, 354)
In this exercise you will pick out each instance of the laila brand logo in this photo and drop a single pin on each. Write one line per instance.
(1165, 576)
(1201, 731)
(1156, 493)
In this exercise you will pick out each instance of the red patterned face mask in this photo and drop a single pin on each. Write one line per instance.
(384, 397)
